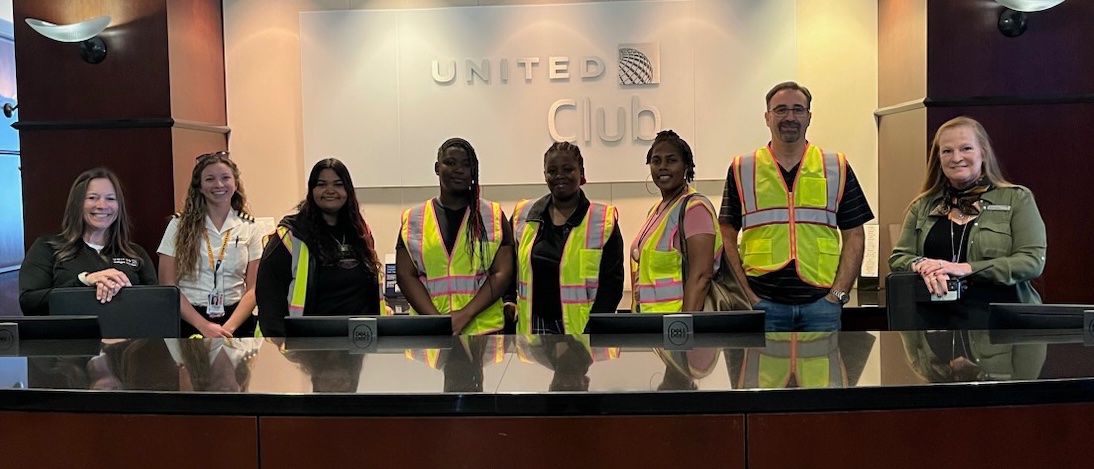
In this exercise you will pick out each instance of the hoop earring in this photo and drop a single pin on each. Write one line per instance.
(649, 179)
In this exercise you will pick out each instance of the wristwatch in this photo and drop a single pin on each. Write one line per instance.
(842, 296)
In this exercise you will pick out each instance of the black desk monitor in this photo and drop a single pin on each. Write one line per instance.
(1035, 336)
(386, 326)
(388, 344)
(137, 312)
(56, 328)
(737, 340)
(1030, 316)
(714, 322)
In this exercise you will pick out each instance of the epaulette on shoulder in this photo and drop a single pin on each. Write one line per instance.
(247, 217)
(176, 215)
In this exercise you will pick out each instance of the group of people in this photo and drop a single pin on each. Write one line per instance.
(789, 231)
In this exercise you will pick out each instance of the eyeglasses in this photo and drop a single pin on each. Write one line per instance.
(782, 111)
(205, 156)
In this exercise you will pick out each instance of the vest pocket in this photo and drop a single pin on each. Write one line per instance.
(828, 246)
(813, 191)
(663, 263)
(756, 252)
(590, 263)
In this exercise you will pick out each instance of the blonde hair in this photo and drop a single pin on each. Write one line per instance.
(192, 220)
(936, 182)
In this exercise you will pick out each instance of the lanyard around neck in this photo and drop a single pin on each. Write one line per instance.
(214, 263)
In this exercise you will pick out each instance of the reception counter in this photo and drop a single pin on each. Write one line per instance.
(852, 399)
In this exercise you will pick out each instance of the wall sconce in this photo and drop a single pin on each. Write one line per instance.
(9, 110)
(92, 47)
(1012, 21)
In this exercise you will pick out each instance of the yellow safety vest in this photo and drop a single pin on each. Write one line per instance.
(779, 225)
(453, 279)
(658, 275)
(811, 358)
(300, 268)
(579, 268)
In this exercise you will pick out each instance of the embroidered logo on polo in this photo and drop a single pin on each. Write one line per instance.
(125, 261)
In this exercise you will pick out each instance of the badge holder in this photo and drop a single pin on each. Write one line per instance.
(215, 308)
(9, 339)
(678, 332)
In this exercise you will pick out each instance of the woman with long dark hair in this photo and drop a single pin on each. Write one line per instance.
(93, 249)
(455, 252)
(321, 260)
(210, 250)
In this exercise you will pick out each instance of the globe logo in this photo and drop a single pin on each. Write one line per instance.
(639, 64)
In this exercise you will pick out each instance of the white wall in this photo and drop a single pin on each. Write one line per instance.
(836, 58)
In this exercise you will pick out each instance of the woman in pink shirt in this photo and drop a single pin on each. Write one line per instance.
(669, 277)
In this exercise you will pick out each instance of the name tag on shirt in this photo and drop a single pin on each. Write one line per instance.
(999, 208)
(125, 261)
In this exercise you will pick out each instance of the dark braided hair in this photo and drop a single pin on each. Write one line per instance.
(476, 231)
(566, 146)
(682, 147)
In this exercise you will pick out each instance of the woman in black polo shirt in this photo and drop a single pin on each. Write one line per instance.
(93, 249)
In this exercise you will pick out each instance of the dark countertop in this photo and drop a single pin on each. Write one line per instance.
(551, 375)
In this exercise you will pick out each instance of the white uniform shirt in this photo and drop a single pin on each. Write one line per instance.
(244, 245)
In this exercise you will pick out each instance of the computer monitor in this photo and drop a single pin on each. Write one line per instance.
(713, 322)
(55, 328)
(386, 326)
(383, 344)
(1033, 316)
(136, 312)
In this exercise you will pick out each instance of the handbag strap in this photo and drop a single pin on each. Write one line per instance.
(682, 239)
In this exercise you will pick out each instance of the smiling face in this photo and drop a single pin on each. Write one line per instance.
(960, 155)
(329, 193)
(100, 206)
(790, 126)
(218, 184)
(454, 169)
(562, 172)
(667, 168)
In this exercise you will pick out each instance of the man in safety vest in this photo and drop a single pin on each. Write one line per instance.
(799, 211)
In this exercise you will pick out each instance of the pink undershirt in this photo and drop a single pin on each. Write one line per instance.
(698, 220)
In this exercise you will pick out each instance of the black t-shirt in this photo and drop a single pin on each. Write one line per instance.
(547, 249)
(342, 286)
(784, 286)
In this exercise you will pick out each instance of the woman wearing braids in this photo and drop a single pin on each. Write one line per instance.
(455, 252)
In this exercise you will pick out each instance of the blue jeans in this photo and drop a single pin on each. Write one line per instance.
(819, 316)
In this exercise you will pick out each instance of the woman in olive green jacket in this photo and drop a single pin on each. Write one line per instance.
(970, 223)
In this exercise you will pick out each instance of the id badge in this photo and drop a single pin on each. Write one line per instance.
(216, 304)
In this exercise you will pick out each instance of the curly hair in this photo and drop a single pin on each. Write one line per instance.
(192, 220)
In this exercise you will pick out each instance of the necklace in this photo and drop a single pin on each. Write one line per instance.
(955, 250)
(343, 248)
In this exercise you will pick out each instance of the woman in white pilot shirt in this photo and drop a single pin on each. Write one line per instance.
(211, 251)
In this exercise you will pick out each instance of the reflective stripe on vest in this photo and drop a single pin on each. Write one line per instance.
(453, 279)
(579, 267)
(778, 225)
(811, 358)
(301, 262)
(659, 281)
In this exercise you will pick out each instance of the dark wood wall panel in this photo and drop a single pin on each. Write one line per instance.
(141, 157)
(113, 441)
(1035, 436)
(1043, 147)
(968, 56)
(56, 84)
(527, 443)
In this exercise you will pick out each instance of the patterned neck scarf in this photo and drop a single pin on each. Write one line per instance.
(966, 201)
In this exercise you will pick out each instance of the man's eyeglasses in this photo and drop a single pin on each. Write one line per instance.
(782, 111)
(205, 156)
